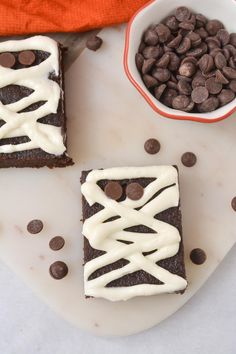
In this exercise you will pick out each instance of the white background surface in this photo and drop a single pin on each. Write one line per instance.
(206, 324)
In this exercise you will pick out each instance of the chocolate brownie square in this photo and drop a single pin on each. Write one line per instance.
(32, 110)
(132, 232)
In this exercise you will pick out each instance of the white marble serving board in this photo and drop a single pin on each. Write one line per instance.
(108, 123)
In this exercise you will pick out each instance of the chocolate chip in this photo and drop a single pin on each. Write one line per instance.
(223, 36)
(190, 107)
(182, 13)
(174, 62)
(220, 61)
(181, 102)
(147, 65)
(187, 69)
(196, 52)
(35, 226)
(58, 270)
(27, 57)
(149, 81)
(189, 159)
(184, 87)
(172, 23)
(184, 46)
(212, 43)
(206, 63)
(226, 53)
(139, 61)
(213, 26)
(213, 86)
(180, 77)
(231, 49)
(113, 190)
(163, 32)
(7, 60)
(175, 42)
(57, 243)
(168, 96)
(163, 62)
(201, 18)
(232, 62)
(202, 32)
(198, 80)
(152, 146)
(151, 37)
(198, 256)
(233, 203)
(221, 78)
(161, 75)
(134, 191)
(226, 96)
(94, 42)
(194, 37)
(189, 60)
(229, 72)
(232, 85)
(210, 105)
(187, 25)
(172, 85)
(215, 51)
(158, 91)
(141, 47)
(232, 39)
(151, 52)
(199, 94)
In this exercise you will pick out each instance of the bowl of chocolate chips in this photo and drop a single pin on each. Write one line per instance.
(183, 59)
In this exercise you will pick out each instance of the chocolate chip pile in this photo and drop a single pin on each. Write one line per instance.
(189, 62)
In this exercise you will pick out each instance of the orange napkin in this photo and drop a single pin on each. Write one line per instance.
(38, 16)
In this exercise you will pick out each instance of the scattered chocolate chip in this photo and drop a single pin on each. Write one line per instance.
(152, 146)
(35, 226)
(58, 270)
(232, 85)
(213, 86)
(223, 36)
(57, 243)
(213, 26)
(163, 32)
(181, 102)
(151, 37)
(182, 13)
(27, 57)
(94, 43)
(199, 94)
(220, 61)
(210, 105)
(158, 91)
(134, 191)
(233, 203)
(113, 190)
(189, 159)
(226, 96)
(7, 60)
(198, 256)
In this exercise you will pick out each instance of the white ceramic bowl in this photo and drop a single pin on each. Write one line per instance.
(154, 12)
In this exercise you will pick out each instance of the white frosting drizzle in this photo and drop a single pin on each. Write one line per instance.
(47, 137)
(104, 236)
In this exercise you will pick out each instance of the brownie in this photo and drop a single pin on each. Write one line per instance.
(172, 216)
(30, 63)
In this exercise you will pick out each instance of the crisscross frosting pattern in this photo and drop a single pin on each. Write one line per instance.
(104, 236)
(47, 137)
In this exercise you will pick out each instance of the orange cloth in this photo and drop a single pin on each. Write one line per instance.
(39, 16)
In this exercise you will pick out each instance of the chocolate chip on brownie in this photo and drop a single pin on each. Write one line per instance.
(188, 55)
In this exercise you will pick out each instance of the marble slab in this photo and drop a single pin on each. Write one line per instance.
(108, 123)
